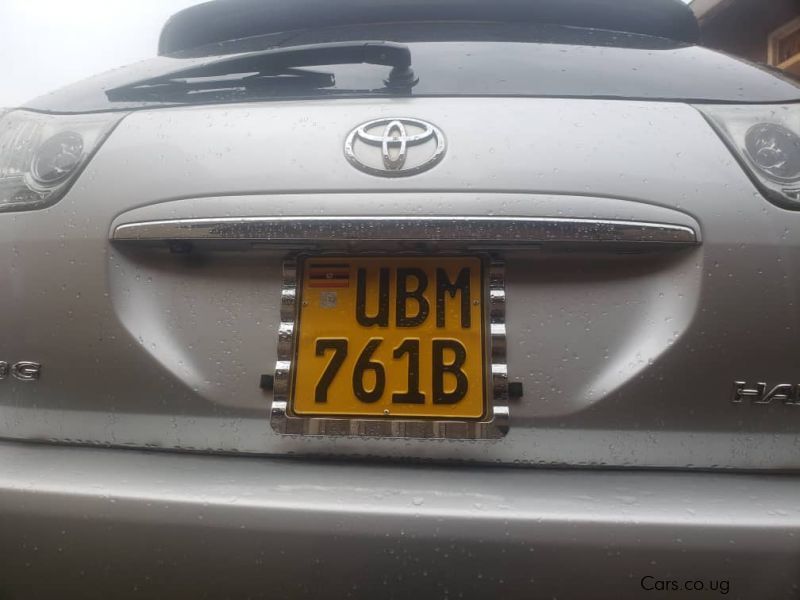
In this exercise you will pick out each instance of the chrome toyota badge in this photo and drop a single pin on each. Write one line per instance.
(395, 147)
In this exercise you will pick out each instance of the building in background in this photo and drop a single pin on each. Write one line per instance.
(766, 31)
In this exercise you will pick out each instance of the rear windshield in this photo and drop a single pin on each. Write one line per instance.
(479, 60)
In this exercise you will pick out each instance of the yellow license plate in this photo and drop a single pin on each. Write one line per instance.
(391, 337)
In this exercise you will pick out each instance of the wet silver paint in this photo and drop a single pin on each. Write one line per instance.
(119, 523)
(626, 360)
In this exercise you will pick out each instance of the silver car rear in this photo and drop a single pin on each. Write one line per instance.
(641, 312)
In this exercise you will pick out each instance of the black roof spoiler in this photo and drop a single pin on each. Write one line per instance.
(223, 20)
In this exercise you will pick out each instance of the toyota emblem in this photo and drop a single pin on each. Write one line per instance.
(395, 147)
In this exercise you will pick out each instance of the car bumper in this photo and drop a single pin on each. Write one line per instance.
(121, 523)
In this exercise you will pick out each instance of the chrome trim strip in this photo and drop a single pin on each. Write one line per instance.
(494, 425)
(477, 231)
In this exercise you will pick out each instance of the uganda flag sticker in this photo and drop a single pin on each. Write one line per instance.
(329, 275)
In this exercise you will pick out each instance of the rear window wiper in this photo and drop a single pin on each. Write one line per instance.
(270, 70)
(187, 89)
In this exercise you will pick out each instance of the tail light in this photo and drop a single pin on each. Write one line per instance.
(766, 140)
(41, 155)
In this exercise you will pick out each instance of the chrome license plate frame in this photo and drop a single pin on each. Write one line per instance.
(494, 423)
